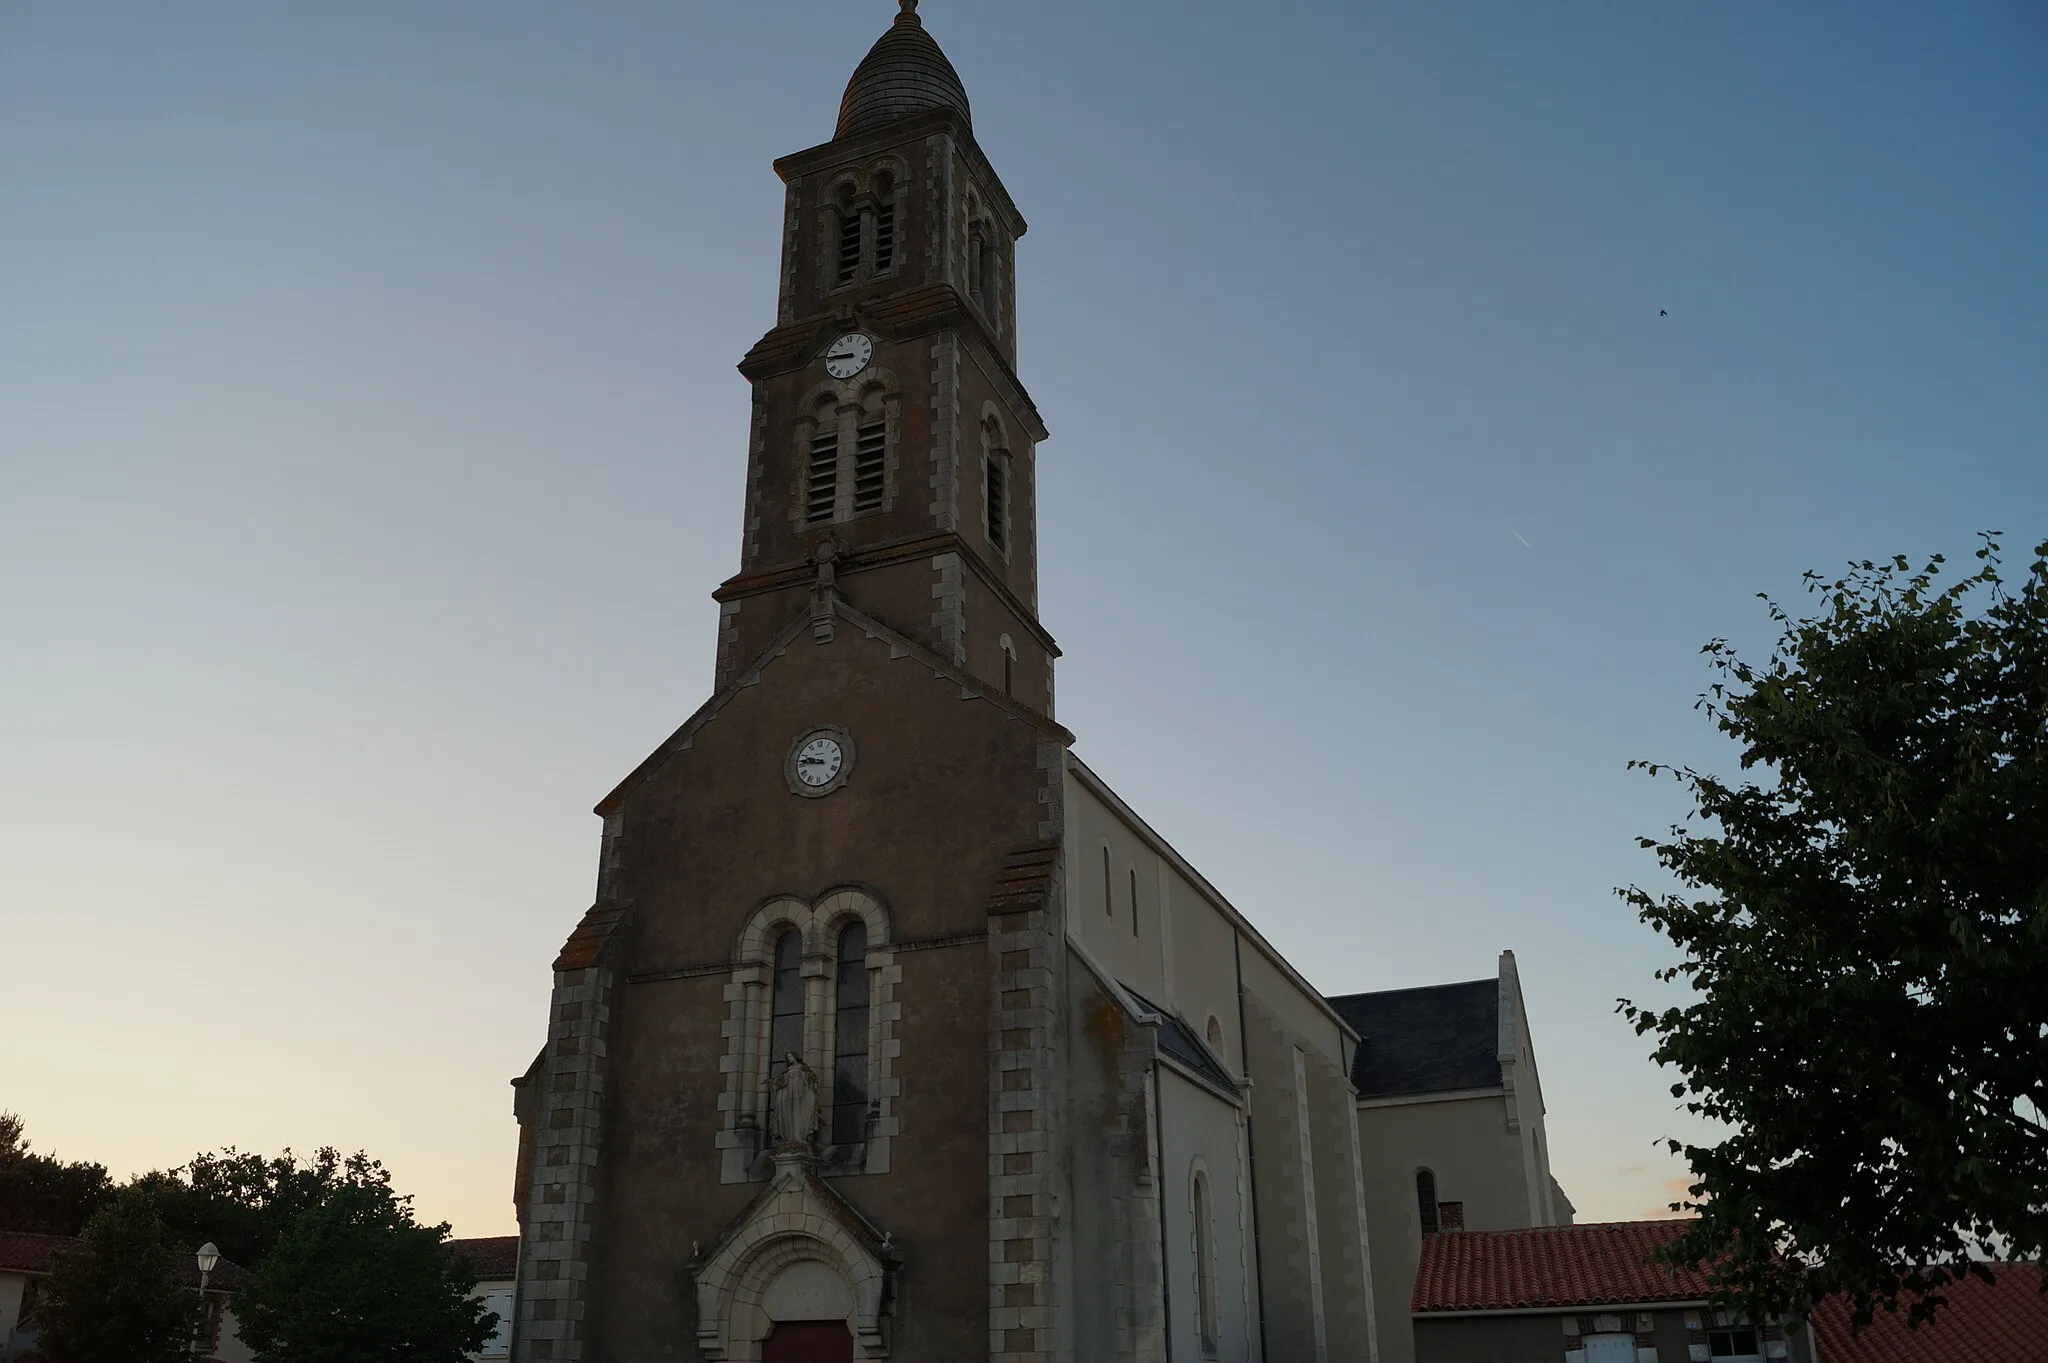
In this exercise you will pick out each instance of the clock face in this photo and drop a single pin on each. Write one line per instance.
(849, 355)
(819, 760)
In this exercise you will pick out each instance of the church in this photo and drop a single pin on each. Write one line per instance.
(893, 1032)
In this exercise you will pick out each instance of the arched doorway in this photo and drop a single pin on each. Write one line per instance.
(809, 1341)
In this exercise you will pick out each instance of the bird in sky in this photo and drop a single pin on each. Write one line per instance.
(1662, 313)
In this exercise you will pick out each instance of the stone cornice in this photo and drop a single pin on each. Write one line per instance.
(910, 129)
(852, 560)
(899, 317)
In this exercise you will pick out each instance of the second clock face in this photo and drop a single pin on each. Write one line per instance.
(849, 355)
(819, 760)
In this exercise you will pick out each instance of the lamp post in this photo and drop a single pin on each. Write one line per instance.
(208, 1259)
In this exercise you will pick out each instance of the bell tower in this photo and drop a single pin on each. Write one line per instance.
(892, 456)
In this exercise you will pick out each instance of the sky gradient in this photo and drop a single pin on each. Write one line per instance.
(370, 443)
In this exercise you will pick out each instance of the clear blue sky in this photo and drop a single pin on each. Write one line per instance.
(370, 443)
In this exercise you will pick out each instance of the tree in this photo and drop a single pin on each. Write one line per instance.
(1865, 929)
(245, 1202)
(358, 1280)
(118, 1297)
(42, 1194)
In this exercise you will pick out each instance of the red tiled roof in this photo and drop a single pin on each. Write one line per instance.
(493, 1257)
(1598, 1264)
(2005, 1323)
(21, 1252)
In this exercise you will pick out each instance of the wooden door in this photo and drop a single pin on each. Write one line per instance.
(809, 1341)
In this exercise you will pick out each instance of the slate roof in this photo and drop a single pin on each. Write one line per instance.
(904, 73)
(1179, 1042)
(1597, 1264)
(1431, 1040)
(493, 1257)
(2002, 1323)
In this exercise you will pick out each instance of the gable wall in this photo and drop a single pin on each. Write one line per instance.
(940, 789)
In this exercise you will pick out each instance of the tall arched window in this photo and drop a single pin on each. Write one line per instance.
(1425, 1200)
(995, 464)
(1205, 1265)
(833, 488)
(785, 1009)
(847, 260)
(850, 1039)
(885, 222)
(821, 466)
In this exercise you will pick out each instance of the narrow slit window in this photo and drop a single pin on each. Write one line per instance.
(870, 451)
(849, 246)
(821, 484)
(885, 237)
(850, 1044)
(1205, 1268)
(1134, 901)
(998, 500)
(1108, 887)
(786, 1010)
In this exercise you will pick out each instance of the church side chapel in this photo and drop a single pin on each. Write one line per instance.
(893, 1033)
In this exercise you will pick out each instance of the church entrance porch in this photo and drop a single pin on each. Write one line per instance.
(809, 1341)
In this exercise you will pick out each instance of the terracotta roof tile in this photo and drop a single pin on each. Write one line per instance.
(2002, 1323)
(587, 942)
(1025, 879)
(495, 1256)
(1598, 1264)
(22, 1252)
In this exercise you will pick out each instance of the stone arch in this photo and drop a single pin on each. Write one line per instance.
(795, 1222)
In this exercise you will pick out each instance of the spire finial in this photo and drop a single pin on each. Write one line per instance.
(908, 12)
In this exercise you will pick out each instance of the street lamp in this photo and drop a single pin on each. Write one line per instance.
(208, 1259)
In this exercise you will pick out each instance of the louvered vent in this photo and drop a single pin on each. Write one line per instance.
(869, 466)
(998, 500)
(822, 486)
(849, 246)
(885, 237)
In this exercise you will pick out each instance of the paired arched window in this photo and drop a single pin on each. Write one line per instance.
(846, 457)
(816, 980)
(1425, 1200)
(865, 230)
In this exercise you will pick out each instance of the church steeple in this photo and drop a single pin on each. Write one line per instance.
(891, 436)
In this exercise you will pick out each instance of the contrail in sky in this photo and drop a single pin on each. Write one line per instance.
(1518, 535)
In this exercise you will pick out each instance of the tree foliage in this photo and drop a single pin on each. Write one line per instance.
(41, 1194)
(245, 1202)
(1864, 926)
(119, 1297)
(358, 1280)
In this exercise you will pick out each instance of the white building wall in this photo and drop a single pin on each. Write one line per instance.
(1200, 1129)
